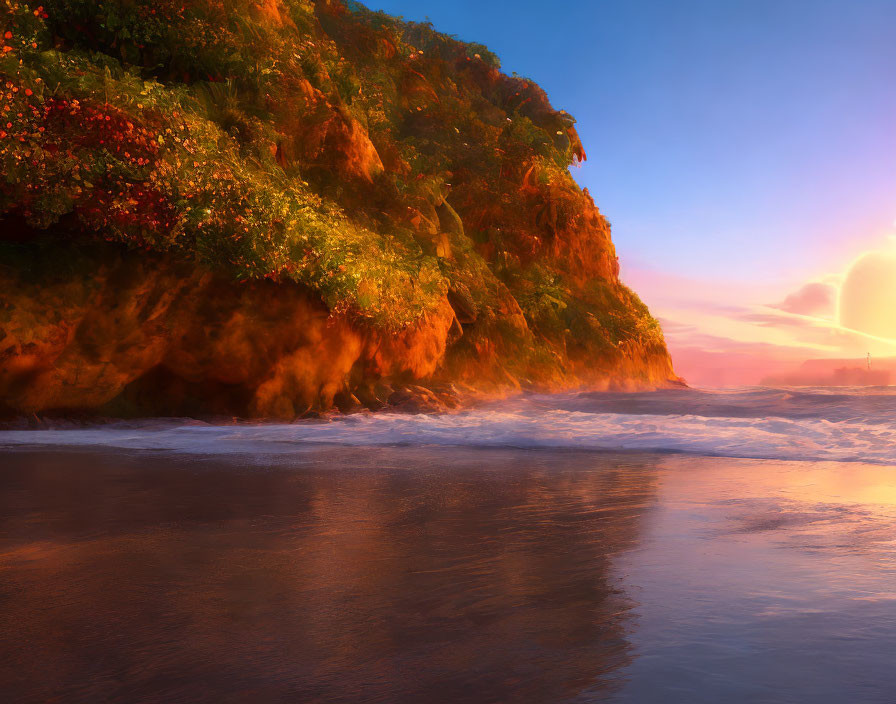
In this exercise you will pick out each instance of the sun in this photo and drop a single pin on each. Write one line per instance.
(868, 295)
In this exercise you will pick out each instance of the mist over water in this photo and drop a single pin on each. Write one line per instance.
(843, 424)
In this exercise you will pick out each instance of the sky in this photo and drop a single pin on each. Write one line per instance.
(743, 150)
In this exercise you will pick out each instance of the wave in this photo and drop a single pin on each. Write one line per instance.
(856, 425)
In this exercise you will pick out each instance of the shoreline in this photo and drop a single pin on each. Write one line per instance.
(764, 424)
(411, 399)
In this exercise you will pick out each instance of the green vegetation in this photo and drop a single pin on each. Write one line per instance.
(375, 161)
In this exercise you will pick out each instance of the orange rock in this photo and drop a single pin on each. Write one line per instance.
(148, 336)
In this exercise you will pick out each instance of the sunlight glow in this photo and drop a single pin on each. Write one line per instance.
(868, 295)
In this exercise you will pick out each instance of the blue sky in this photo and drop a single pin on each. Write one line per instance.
(738, 135)
(743, 142)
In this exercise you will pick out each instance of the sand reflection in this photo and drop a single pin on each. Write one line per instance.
(402, 575)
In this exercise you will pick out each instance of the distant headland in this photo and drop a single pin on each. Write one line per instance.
(838, 372)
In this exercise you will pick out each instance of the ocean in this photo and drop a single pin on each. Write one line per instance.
(846, 424)
(671, 546)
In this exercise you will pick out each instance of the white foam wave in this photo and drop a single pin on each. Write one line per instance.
(529, 423)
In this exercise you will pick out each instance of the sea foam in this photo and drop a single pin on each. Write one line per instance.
(855, 424)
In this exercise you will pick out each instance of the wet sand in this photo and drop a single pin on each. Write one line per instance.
(444, 575)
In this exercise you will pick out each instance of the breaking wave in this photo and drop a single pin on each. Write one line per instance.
(844, 424)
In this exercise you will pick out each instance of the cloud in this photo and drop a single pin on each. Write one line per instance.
(711, 346)
(674, 327)
(718, 334)
(817, 299)
(773, 317)
(818, 332)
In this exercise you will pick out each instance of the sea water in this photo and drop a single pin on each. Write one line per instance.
(847, 424)
(676, 546)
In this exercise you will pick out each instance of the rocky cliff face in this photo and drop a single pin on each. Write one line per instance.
(270, 208)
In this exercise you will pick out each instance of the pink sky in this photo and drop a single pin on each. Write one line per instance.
(725, 332)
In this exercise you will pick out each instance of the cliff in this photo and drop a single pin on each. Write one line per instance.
(268, 207)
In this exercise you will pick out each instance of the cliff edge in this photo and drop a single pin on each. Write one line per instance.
(270, 207)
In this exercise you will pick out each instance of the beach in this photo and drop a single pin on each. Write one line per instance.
(442, 574)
